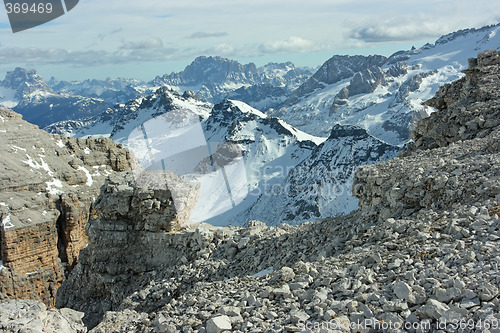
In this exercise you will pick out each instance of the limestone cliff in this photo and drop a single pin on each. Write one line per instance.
(48, 185)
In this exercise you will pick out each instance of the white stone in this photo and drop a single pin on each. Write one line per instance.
(219, 324)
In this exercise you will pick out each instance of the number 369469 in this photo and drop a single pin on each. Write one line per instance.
(25, 8)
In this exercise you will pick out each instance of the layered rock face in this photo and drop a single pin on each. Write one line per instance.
(420, 255)
(48, 185)
(335, 69)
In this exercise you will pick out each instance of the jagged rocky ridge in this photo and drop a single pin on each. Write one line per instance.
(334, 70)
(119, 121)
(211, 78)
(421, 250)
(48, 184)
(383, 95)
(216, 78)
(320, 185)
(266, 143)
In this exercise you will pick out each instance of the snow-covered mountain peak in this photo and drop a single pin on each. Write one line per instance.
(215, 78)
(451, 49)
(25, 82)
(464, 33)
(26, 92)
(119, 121)
(233, 106)
(239, 120)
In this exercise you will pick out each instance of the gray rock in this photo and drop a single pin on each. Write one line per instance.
(298, 316)
(230, 311)
(487, 291)
(434, 309)
(446, 295)
(470, 303)
(402, 290)
(283, 291)
(453, 315)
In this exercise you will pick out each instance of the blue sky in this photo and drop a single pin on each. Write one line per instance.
(142, 39)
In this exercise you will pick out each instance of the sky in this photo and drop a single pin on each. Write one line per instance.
(142, 39)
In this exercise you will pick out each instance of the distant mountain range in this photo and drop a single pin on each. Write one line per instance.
(316, 129)
(216, 78)
(25, 92)
(211, 78)
(382, 95)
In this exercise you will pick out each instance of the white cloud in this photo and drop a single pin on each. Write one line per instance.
(290, 45)
(404, 30)
(42, 56)
(429, 21)
(154, 43)
(202, 34)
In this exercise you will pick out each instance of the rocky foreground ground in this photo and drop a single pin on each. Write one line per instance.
(420, 255)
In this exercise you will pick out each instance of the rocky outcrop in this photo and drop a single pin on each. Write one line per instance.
(366, 81)
(465, 173)
(363, 82)
(48, 185)
(132, 238)
(333, 70)
(421, 254)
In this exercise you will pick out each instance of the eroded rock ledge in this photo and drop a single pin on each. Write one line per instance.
(48, 184)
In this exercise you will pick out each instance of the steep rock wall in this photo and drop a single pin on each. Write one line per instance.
(48, 184)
